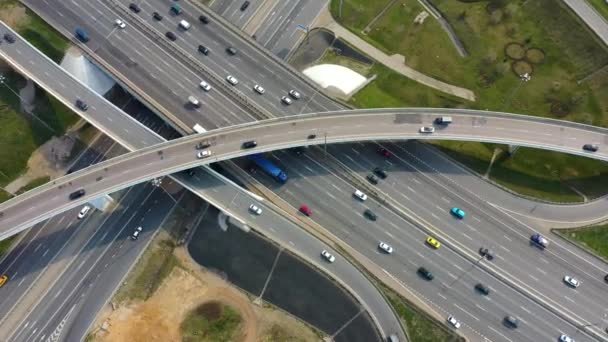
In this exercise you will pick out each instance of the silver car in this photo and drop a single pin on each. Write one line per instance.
(232, 80)
(385, 247)
(259, 89)
(325, 254)
(255, 209)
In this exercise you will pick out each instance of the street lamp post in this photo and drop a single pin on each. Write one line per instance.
(522, 79)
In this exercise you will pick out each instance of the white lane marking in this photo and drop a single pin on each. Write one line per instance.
(445, 199)
(499, 333)
(531, 276)
(476, 219)
(457, 267)
(403, 195)
(416, 181)
(505, 248)
(480, 308)
(541, 271)
(465, 311)
(470, 227)
(524, 308)
(569, 299)
(47, 250)
(440, 295)
(468, 237)
(508, 238)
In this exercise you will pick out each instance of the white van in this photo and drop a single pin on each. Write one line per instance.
(194, 101)
(444, 120)
(184, 25)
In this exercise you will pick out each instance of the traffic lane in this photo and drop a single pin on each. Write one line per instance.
(224, 64)
(504, 199)
(107, 274)
(469, 235)
(239, 17)
(286, 233)
(361, 233)
(180, 155)
(183, 82)
(288, 39)
(100, 241)
(572, 214)
(249, 58)
(64, 84)
(508, 232)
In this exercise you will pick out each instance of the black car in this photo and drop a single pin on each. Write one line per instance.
(157, 16)
(203, 50)
(606, 278)
(381, 173)
(482, 289)
(231, 51)
(171, 36)
(311, 136)
(203, 19)
(77, 194)
(134, 7)
(81, 105)
(370, 215)
(372, 179)
(426, 274)
(9, 37)
(250, 144)
(511, 322)
(202, 145)
(488, 254)
(590, 147)
(244, 5)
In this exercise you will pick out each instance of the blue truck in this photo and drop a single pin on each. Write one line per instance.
(269, 167)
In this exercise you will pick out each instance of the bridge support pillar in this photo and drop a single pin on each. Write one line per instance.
(103, 203)
(513, 149)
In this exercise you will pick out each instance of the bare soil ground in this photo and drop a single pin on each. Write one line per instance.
(12, 15)
(187, 287)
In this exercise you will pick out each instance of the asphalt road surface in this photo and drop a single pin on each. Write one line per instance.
(591, 17)
(333, 205)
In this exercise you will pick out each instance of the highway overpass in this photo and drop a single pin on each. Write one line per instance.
(333, 127)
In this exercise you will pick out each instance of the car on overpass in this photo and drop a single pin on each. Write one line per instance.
(255, 209)
(458, 213)
(304, 209)
(591, 147)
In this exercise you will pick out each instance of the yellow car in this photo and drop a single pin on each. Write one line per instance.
(433, 243)
(3, 279)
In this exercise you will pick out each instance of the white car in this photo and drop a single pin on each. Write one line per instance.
(328, 256)
(259, 89)
(566, 338)
(385, 247)
(205, 86)
(83, 212)
(286, 100)
(360, 195)
(454, 322)
(120, 24)
(572, 281)
(135, 234)
(294, 94)
(232, 80)
(427, 129)
(255, 209)
(203, 154)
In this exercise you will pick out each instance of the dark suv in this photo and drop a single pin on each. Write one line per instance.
(250, 144)
(203, 50)
(77, 194)
(82, 105)
(203, 19)
(381, 173)
(244, 5)
(231, 51)
(426, 274)
(590, 147)
(134, 7)
(482, 289)
(372, 179)
(370, 215)
(511, 322)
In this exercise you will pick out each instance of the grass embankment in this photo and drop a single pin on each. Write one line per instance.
(212, 321)
(549, 40)
(601, 6)
(420, 327)
(5, 245)
(594, 238)
(21, 133)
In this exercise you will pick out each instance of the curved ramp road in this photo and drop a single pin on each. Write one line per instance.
(382, 124)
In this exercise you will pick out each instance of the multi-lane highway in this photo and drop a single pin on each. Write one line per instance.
(221, 193)
(330, 197)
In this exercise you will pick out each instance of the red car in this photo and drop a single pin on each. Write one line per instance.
(383, 152)
(305, 210)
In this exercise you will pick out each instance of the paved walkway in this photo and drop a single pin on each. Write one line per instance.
(395, 62)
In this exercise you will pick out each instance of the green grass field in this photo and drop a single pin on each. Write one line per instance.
(21, 133)
(600, 6)
(212, 322)
(570, 53)
(594, 238)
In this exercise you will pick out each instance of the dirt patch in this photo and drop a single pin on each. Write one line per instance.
(185, 289)
(12, 14)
